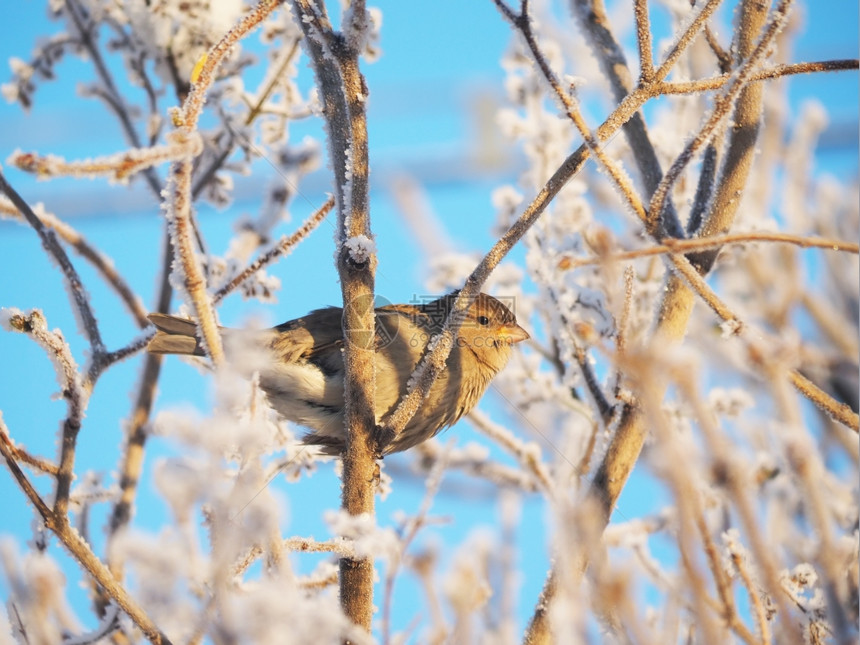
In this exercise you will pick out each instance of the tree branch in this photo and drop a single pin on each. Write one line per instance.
(344, 95)
(77, 293)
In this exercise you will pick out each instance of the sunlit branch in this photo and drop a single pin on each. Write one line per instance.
(770, 73)
(671, 245)
(284, 246)
(118, 167)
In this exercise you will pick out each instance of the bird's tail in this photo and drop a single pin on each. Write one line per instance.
(174, 336)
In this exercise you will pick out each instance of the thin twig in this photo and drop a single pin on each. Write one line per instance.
(733, 478)
(754, 596)
(837, 411)
(80, 551)
(116, 102)
(284, 246)
(726, 606)
(179, 212)
(720, 111)
(119, 166)
(193, 104)
(698, 23)
(643, 38)
(99, 260)
(338, 546)
(671, 245)
(411, 528)
(523, 23)
(78, 295)
(20, 454)
(194, 281)
(769, 73)
(527, 455)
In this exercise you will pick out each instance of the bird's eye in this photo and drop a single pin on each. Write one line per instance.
(483, 320)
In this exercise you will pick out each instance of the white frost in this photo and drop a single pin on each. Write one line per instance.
(360, 248)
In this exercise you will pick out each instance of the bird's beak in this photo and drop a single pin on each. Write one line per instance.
(513, 334)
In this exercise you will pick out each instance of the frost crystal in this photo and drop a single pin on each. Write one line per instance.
(8, 315)
(730, 328)
(360, 248)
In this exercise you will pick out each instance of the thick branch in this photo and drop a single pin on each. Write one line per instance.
(344, 94)
(748, 58)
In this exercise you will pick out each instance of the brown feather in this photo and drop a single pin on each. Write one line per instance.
(174, 336)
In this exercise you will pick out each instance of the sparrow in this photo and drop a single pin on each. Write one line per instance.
(302, 368)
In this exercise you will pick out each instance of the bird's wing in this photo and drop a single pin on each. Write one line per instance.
(315, 337)
(174, 336)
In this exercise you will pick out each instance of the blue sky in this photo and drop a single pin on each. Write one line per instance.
(439, 62)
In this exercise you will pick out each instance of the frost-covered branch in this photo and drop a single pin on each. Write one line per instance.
(766, 74)
(344, 94)
(113, 97)
(473, 460)
(103, 264)
(677, 303)
(57, 519)
(74, 392)
(671, 245)
(598, 30)
(643, 36)
(77, 293)
(409, 532)
(527, 454)
(118, 167)
(178, 209)
(748, 98)
(283, 247)
(19, 454)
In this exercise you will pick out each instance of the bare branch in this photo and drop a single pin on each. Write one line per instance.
(20, 454)
(10, 453)
(410, 531)
(284, 246)
(528, 455)
(80, 551)
(698, 23)
(344, 93)
(837, 411)
(671, 245)
(193, 105)
(77, 293)
(770, 73)
(179, 212)
(101, 262)
(643, 37)
(114, 98)
(677, 303)
(118, 167)
(750, 58)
